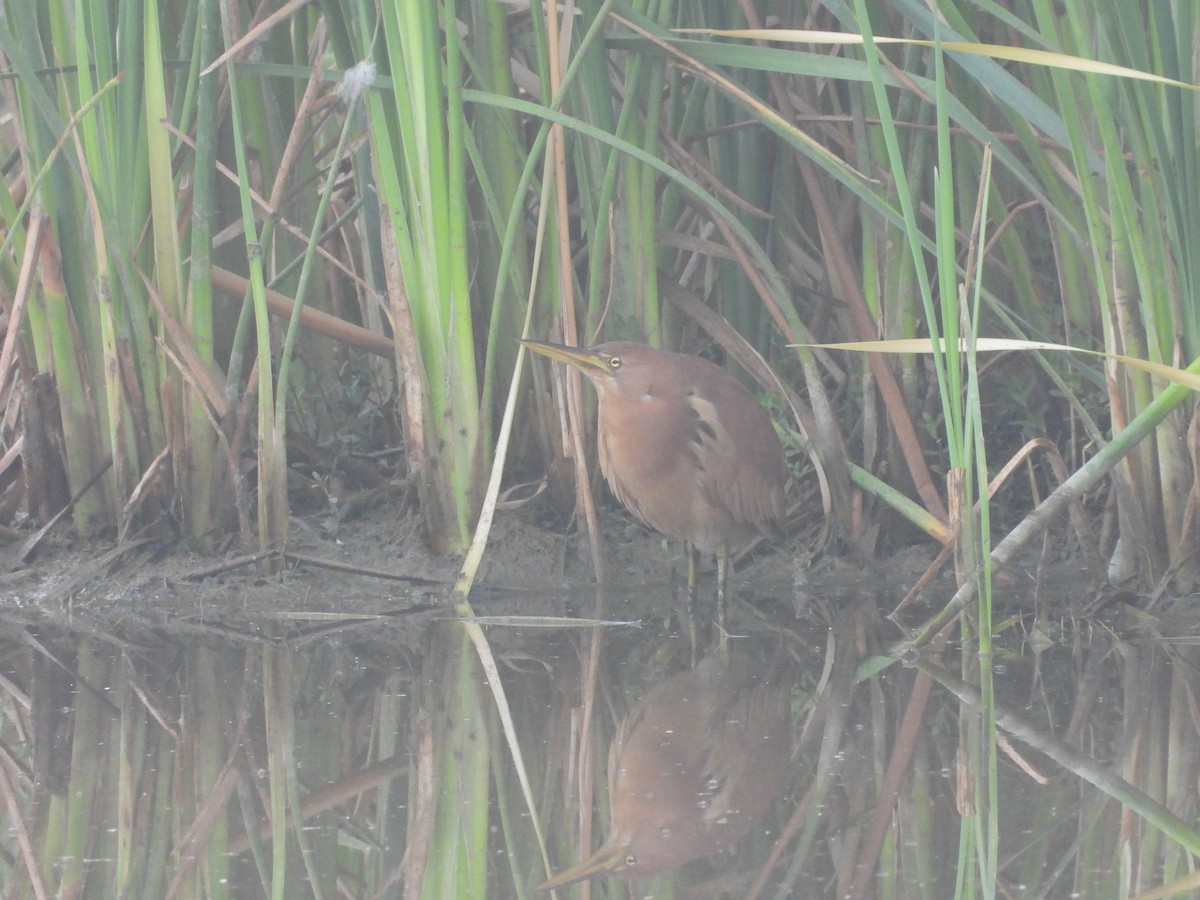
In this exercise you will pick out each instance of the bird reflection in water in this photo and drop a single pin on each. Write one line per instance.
(693, 766)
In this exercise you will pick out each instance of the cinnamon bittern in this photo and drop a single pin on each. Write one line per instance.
(684, 445)
(692, 767)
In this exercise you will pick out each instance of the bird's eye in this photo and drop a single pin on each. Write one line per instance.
(630, 861)
(614, 362)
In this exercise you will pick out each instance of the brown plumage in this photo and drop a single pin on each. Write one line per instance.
(683, 444)
(692, 767)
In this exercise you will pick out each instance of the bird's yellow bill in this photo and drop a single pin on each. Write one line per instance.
(605, 861)
(579, 357)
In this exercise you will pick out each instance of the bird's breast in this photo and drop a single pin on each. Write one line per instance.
(670, 459)
(648, 456)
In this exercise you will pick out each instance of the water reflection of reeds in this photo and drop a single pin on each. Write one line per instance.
(147, 765)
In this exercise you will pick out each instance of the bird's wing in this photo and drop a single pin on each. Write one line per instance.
(741, 464)
(744, 763)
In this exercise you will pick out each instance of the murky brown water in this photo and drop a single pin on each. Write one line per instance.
(161, 716)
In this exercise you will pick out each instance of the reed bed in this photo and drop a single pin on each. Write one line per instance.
(262, 263)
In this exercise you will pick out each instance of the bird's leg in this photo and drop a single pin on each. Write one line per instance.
(722, 591)
(693, 576)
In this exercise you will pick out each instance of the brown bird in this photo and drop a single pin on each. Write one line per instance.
(684, 445)
(692, 767)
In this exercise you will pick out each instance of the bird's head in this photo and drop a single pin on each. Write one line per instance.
(637, 854)
(613, 367)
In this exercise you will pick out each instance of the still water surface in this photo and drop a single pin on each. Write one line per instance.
(203, 744)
